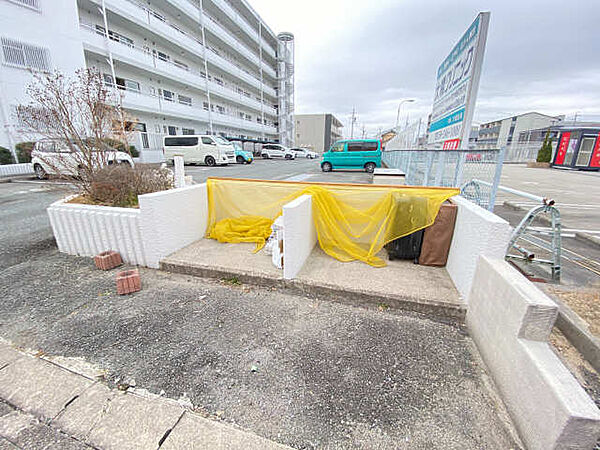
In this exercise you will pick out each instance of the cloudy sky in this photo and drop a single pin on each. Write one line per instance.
(541, 55)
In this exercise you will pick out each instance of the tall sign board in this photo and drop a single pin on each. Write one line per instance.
(456, 88)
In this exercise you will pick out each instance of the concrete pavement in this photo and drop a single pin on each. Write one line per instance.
(40, 401)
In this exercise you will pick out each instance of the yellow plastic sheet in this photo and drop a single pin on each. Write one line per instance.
(353, 222)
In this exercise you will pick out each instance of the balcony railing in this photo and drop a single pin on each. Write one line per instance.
(214, 25)
(134, 99)
(241, 21)
(156, 19)
(177, 70)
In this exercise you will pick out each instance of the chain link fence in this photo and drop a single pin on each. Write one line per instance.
(465, 169)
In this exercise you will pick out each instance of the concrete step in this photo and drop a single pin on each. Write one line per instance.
(401, 285)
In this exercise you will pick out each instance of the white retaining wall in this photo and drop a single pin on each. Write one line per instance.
(16, 169)
(477, 232)
(300, 235)
(86, 230)
(165, 222)
(510, 321)
(170, 220)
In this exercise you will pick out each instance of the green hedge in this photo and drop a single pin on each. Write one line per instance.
(120, 146)
(6, 156)
(24, 150)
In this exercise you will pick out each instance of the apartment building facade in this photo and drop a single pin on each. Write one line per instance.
(505, 132)
(317, 131)
(180, 66)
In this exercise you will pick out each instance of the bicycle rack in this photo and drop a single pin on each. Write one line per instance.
(524, 232)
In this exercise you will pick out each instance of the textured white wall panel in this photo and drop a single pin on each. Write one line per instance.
(300, 235)
(87, 230)
(16, 169)
(510, 320)
(170, 220)
(477, 232)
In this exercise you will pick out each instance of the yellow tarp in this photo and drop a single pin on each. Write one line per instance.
(353, 222)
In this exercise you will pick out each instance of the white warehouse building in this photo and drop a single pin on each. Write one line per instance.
(181, 66)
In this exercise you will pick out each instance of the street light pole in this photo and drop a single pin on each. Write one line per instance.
(408, 100)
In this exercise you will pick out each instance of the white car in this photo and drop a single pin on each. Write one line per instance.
(304, 153)
(277, 151)
(52, 157)
(199, 149)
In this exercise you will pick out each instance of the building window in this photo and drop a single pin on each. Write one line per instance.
(114, 36)
(18, 54)
(205, 106)
(168, 95)
(181, 65)
(161, 55)
(188, 131)
(33, 4)
(185, 100)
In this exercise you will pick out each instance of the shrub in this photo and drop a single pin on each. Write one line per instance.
(545, 152)
(120, 146)
(6, 156)
(24, 150)
(120, 185)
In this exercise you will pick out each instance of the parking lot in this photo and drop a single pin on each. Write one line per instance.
(277, 169)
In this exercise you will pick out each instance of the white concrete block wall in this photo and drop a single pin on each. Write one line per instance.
(86, 230)
(510, 321)
(300, 235)
(477, 232)
(172, 219)
(16, 169)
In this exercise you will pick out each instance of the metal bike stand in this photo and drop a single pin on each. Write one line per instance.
(524, 232)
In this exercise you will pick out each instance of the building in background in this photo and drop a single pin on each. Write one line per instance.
(505, 132)
(182, 66)
(317, 131)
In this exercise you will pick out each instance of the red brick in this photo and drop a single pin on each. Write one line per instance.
(128, 281)
(108, 260)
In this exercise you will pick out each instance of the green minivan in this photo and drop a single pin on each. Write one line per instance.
(353, 154)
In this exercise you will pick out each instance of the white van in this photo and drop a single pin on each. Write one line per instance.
(199, 149)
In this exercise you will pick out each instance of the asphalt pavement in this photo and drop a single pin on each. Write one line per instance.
(294, 369)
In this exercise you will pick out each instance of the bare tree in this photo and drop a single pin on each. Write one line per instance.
(79, 115)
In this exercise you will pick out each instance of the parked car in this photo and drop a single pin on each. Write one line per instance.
(199, 149)
(304, 153)
(54, 157)
(353, 154)
(241, 155)
(276, 151)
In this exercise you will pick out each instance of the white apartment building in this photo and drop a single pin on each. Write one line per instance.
(505, 132)
(181, 66)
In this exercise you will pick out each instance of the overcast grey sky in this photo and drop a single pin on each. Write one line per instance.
(541, 55)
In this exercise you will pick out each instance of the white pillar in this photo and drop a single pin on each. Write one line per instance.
(179, 171)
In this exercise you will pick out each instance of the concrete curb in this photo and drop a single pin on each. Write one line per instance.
(582, 237)
(576, 331)
(11, 178)
(101, 417)
(588, 239)
(445, 312)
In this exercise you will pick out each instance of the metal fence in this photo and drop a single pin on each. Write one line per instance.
(452, 168)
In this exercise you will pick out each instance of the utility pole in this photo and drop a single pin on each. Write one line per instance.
(363, 131)
(352, 121)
